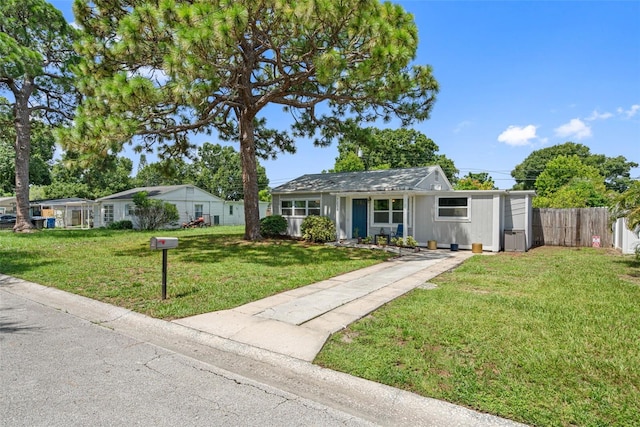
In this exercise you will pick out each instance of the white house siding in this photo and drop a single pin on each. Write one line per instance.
(7, 205)
(518, 213)
(478, 229)
(327, 208)
(184, 198)
(435, 182)
(232, 213)
(515, 213)
(624, 239)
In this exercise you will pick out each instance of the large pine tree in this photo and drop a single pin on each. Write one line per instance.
(163, 68)
(35, 54)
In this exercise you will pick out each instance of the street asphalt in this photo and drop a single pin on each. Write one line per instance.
(69, 360)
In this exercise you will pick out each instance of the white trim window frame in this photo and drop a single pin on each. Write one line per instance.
(453, 209)
(130, 209)
(198, 210)
(299, 207)
(108, 212)
(387, 211)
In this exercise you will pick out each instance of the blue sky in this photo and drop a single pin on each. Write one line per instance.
(515, 76)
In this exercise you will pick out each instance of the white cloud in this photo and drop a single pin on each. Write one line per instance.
(633, 110)
(463, 124)
(599, 116)
(516, 135)
(576, 129)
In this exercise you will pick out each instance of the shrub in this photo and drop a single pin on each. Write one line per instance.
(397, 241)
(318, 229)
(411, 242)
(125, 224)
(152, 214)
(273, 226)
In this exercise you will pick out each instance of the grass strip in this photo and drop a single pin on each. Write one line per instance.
(212, 269)
(550, 337)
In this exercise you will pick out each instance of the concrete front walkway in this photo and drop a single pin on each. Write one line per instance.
(297, 323)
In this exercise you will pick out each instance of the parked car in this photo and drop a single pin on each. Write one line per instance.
(7, 220)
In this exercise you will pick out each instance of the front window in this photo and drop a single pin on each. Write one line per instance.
(388, 211)
(230, 209)
(300, 207)
(198, 211)
(286, 208)
(313, 207)
(107, 216)
(129, 209)
(453, 208)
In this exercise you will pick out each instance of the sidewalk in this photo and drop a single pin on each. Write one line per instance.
(279, 319)
(297, 323)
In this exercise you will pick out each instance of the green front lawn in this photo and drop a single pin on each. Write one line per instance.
(212, 269)
(550, 337)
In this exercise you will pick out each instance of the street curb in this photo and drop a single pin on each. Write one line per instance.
(378, 403)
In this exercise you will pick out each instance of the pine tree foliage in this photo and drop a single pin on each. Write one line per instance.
(35, 57)
(160, 69)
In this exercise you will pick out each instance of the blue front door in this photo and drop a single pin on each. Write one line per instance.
(359, 218)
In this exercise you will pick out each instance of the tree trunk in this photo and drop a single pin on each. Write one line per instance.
(23, 151)
(249, 178)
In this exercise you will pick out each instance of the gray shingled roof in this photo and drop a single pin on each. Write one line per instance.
(376, 180)
(151, 192)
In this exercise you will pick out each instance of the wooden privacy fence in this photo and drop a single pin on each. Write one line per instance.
(572, 227)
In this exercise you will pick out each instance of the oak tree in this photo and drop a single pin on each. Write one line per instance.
(160, 69)
(217, 169)
(567, 182)
(372, 148)
(615, 170)
(476, 181)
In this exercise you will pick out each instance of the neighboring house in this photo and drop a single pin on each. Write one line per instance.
(7, 205)
(191, 202)
(421, 199)
(65, 213)
(624, 239)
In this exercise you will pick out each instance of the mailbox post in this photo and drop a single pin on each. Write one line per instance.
(164, 243)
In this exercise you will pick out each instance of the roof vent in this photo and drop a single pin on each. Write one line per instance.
(436, 187)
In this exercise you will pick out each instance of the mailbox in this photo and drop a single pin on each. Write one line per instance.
(164, 242)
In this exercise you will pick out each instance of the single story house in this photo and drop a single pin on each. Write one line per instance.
(63, 213)
(191, 202)
(421, 199)
(624, 239)
(7, 205)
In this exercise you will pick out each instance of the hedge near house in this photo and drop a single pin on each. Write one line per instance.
(273, 226)
(318, 229)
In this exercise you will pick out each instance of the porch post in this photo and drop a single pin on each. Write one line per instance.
(337, 217)
(405, 217)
